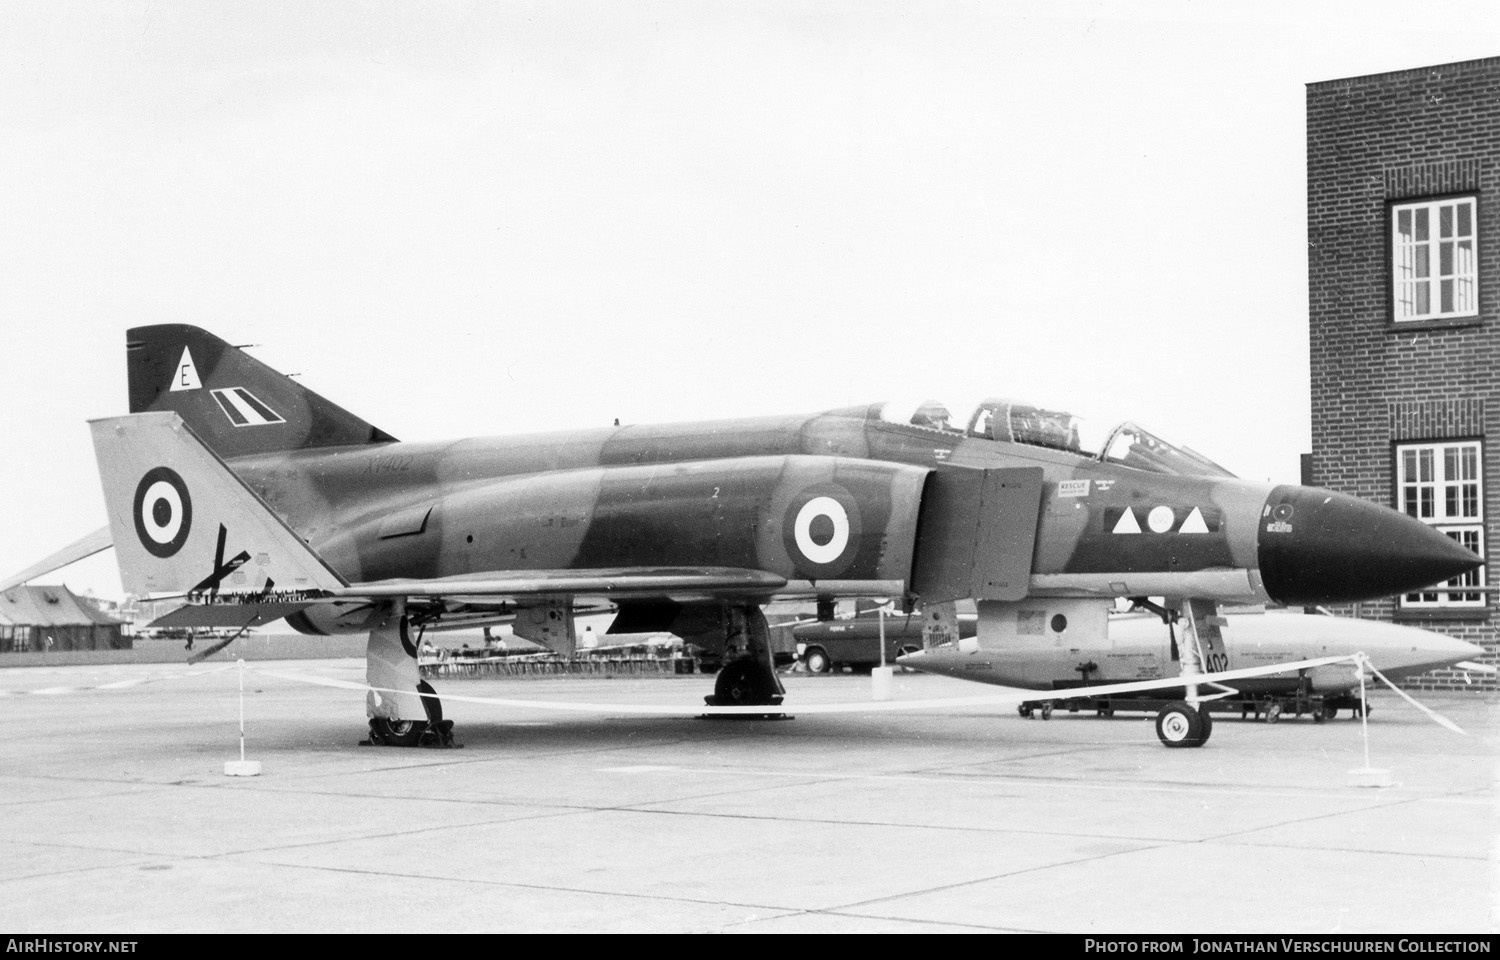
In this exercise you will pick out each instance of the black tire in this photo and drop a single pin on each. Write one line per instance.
(399, 733)
(1025, 710)
(745, 683)
(1328, 712)
(1273, 712)
(1047, 710)
(1207, 719)
(817, 660)
(1179, 725)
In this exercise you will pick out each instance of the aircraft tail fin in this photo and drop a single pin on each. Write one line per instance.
(235, 403)
(182, 522)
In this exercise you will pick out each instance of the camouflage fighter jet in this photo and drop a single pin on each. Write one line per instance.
(259, 499)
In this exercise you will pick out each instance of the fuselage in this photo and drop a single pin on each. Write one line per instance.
(636, 495)
(711, 494)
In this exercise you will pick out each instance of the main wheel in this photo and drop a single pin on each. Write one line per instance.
(1047, 710)
(399, 733)
(1179, 725)
(1273, 713)
(744, 683)
(817, 660)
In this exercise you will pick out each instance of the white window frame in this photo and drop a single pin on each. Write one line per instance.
(1434, 260)
(1442, 484)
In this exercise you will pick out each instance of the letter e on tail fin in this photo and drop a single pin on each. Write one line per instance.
(183, 522)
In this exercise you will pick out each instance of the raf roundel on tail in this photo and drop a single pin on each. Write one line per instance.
(163, 512)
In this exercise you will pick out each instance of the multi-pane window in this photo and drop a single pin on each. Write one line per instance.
(1434, 259)
(1442, 484)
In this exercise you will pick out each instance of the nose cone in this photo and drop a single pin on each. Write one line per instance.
(1317, 546)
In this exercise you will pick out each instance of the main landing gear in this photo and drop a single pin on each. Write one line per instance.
(398, 718)
(749, 677)
(1183, 725)
(746, 683)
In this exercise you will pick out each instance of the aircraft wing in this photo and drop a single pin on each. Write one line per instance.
(676, 583)
(486, 597)
(87, 546)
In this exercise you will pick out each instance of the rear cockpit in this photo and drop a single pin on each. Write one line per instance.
(1014, 421)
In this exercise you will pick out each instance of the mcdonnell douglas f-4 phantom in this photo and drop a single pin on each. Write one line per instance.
(259, 499)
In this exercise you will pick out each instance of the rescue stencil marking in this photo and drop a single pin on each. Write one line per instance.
(1073, 488)
(185, 377)
(833, 529)
(1128, 522)
(245, 409)
(163, 512)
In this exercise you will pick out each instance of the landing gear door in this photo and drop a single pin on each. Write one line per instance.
(549, 624)
(939, 624)
(976, 533)
(1207, 621)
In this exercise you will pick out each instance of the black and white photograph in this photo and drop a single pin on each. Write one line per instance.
(663, 466)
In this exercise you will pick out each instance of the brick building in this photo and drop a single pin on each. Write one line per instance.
(1403, 205)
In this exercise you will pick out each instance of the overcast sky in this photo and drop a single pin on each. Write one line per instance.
(459, 219)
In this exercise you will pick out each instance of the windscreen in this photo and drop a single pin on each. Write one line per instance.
(1016, 421)
(1134, 447)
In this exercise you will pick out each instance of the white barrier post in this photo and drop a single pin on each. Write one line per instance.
(882, 677)
(242, 767)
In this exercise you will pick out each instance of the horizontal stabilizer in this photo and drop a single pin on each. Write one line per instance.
(196, 615)
(79, 549)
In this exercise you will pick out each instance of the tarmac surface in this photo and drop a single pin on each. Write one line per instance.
(116, 815)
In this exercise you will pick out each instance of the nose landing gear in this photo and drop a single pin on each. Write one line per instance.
(1183, 725)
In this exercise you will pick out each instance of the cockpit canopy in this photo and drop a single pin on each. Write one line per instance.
(1014, 421)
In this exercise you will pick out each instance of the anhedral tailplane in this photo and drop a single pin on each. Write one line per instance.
(233, 402)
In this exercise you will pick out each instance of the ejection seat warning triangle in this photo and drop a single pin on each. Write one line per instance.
(1128, 522)
(185, 376)
(1194, 523)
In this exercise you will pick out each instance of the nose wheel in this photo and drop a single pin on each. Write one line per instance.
(1183, 725)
